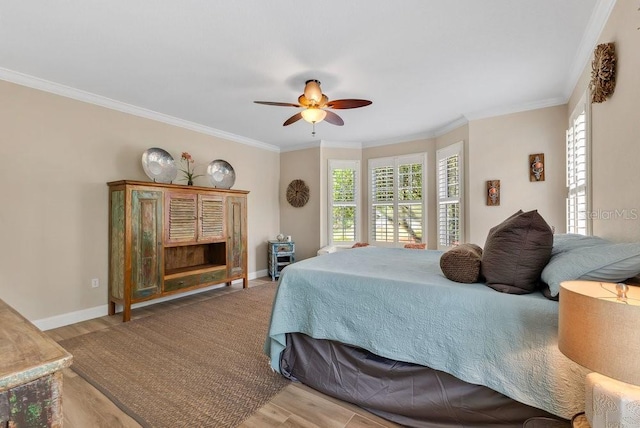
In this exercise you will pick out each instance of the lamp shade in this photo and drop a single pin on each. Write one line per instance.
(599, 330)
(312, 91)
(313, 115)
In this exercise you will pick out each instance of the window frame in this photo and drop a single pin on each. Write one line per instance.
(573, 223)
(395, 162)
(455, 149)
(343, 164)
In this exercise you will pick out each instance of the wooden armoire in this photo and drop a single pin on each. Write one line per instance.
(166, 239)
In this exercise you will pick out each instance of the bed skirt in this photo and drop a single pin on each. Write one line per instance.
(405, 393)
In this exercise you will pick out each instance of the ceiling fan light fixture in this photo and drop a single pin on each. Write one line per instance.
(312, 91)
(313, 115)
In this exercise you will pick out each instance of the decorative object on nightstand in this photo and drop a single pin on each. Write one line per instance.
(603, 72)
(598, 329)
(298, 193)
(281, 254)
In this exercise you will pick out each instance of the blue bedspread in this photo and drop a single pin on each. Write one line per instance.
(397, 303)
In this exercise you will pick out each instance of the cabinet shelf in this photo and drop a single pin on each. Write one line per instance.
(190, 270)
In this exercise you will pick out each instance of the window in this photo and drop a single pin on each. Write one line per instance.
(344, 197)
(450, 195)
(397, 200)
(578, 202)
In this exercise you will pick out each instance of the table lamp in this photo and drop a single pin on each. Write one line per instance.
(599, 328)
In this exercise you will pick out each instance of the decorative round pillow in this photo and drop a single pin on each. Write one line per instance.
(462, 263)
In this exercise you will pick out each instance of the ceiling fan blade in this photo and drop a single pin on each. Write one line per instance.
(347, 103)
(296, 117)
(333, 118)
(273, 103)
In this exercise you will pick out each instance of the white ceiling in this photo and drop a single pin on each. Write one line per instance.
(427, 65)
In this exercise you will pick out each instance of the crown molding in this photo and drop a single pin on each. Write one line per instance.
(341, 144)
(454, 124)
(88, 97)
(402, 139)
(596, 24)
(501, 111)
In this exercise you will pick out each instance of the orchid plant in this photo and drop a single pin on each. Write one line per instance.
(189, 169)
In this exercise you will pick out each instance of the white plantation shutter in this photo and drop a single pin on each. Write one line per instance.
(410, 201)
(344, 195)
(450, 195)
(396, 200)
(578, 203)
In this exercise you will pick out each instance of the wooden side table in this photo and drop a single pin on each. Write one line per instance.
(30, 373)
(580, 421)
(281, 254)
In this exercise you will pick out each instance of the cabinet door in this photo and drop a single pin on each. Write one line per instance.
(146, 243)
(237, 240)
(211, 225)
(181, 217)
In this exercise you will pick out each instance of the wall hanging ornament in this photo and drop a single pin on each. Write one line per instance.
(493, 192)
(603, 72)
(298, 193)
(536, 167)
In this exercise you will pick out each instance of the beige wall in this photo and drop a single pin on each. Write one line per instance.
(499, 149)
(615, 132)
(303, 223)
(57, 154)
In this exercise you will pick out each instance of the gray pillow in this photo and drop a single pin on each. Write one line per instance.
(606, 262)
(515, 253)
(462, 263)
(568, 241)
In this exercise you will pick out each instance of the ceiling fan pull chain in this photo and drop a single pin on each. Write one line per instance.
(313, 129)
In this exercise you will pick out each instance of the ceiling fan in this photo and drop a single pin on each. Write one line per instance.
(315, 104)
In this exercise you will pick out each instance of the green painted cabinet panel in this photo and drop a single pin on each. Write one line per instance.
(146, 243)
(117, 239)
(237, 240)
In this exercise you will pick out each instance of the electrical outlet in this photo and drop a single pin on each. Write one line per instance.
(95, 283)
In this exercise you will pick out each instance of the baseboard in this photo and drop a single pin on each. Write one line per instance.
(102, 310)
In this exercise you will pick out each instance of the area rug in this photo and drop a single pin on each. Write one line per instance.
(200, 365)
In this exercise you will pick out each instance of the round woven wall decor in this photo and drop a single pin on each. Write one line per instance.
(603, 72)
(298, 193)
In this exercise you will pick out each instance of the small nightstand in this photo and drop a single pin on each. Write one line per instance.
(281, 254)
(580, 421)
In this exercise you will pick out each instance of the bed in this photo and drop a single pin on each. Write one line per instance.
(385, 329)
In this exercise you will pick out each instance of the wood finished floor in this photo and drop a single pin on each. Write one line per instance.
(295, 406)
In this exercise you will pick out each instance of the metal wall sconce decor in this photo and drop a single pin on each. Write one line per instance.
(536, 167)
(493, 193)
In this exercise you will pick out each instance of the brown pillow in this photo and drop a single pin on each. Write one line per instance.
(515, 253)
(415, 246)
(359, 244)
(462, 263)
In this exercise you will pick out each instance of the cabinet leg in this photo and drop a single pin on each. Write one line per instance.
(112, 307)
(126, 313)
(245, 282)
